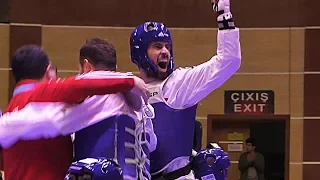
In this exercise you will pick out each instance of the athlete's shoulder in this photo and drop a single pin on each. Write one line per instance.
(179, 73)
(19, 101)
(182, 69)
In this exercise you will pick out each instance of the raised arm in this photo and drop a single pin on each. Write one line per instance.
(188, 86)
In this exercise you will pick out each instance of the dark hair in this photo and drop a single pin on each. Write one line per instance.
(252, 141)
(99, 53)
(29, 62)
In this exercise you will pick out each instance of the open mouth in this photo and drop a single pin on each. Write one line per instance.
(162, 64)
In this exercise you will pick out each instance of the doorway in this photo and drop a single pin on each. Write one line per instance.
(270, 131)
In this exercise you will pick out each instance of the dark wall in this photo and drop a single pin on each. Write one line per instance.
(187, 13)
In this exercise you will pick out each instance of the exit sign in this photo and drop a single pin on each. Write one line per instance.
(249, 102)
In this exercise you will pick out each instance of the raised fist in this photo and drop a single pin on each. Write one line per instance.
(222, 6)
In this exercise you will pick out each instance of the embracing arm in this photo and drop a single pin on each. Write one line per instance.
(47, 115)
(48, 120)
(75, 89)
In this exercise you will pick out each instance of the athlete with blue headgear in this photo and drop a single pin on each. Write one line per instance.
(211, 163)
(175, 93)
(94, 169)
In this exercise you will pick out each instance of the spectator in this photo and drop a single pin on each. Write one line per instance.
(251, 163)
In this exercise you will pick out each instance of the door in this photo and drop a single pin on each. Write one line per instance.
(271, 133)
(220, 135)
(270, 137)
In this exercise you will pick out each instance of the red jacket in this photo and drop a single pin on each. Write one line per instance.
(50, 159)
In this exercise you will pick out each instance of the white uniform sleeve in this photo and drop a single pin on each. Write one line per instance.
(31, 122)
(49, 120)
(187, 86)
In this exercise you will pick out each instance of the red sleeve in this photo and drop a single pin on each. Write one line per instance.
(72, 90)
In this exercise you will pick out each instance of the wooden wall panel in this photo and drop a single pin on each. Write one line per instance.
(311, 11)
(297, 13)
(193, 47)
(265, 14)
(310, 139)
(123, 13)
(4, 65)
(265, 50)
(311, 99)
(288, 96)
(189, 13)
(262, 50)
(296, 140)
(4, 11)
(66, 74)
(296, 95)
(311, 89)
(214, 103)
(311, 171)
(295, 172)
(297, 50)
(19, 36)
(4, 45)
(63, 45)
(312, 38)
(4, 90)
(4, 72)
(30, 11)
(233, 172)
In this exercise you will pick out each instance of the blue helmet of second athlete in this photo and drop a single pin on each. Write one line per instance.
(211, 163)
(158, 62)
(94, 169)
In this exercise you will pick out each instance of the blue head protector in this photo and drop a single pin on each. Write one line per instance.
(217, 167)
(94, 169)
(141, 37)
(201, 166)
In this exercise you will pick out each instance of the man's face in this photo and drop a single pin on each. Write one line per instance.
(250, 147)
(159, 54)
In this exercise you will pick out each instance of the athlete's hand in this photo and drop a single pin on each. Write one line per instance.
(140, 89)
(221, 5)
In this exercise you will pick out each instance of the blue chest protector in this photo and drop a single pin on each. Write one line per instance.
(113, 138)
(175, 130)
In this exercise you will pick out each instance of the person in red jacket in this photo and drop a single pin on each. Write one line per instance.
(49, 159)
